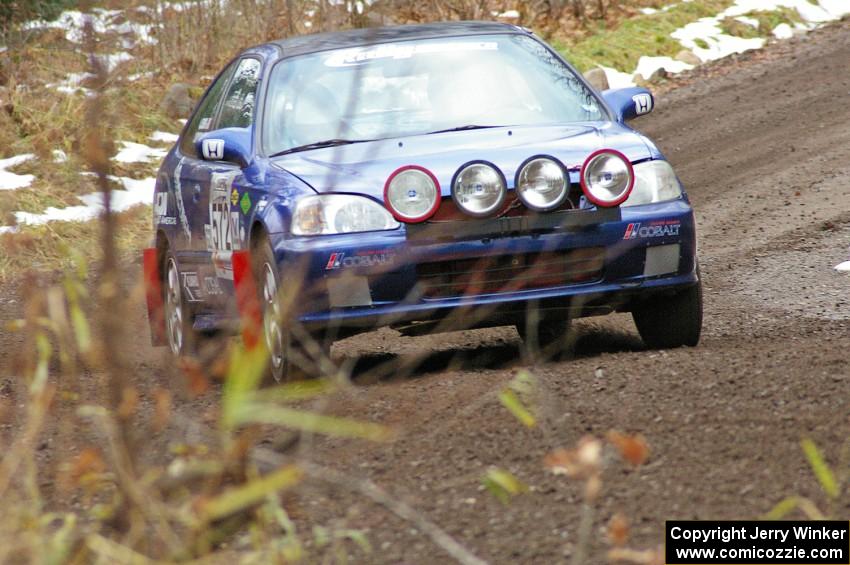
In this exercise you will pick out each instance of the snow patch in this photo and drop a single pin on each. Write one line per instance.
(164, 137)
(112, 60)
(138, 153)
(708, 42)
(843, 267)
(12, 181)
(135, 192)
(73, 22)
(72, 83)
(649, 65)
(59, 156)
(617, 79)
(783, 31)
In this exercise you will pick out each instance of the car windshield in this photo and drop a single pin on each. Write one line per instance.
(417, 87)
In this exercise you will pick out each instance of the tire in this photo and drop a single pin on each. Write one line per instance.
(665, 322)
(550, 338)
(275, 334)
(182, 339)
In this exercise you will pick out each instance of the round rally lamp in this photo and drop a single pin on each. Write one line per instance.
(479, 189)
(607, 177)
(412, 194)
(542, 184)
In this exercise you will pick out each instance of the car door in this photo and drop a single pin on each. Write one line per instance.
(212, 232)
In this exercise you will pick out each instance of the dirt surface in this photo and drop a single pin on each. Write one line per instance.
(762, 145)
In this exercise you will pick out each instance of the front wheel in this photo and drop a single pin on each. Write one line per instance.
(275, 332)
(665, 322)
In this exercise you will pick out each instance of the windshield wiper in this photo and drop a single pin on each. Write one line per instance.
(318, 145)
(462, 128)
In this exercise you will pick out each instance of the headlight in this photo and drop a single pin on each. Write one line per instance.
(655, 181)
(607, 177)
(326, 214)
(412, 194)
(479, 189)
(541, 184)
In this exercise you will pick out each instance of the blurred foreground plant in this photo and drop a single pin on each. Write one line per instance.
(831, 484)
(587, 462)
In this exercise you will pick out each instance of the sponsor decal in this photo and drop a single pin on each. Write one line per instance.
(178, 197)
(234, 197)
(339, 260)
(160, 210)
(223, 232)
(663, 228)
(245, 203)
(361, 55)
(191, 286)
(211, 286)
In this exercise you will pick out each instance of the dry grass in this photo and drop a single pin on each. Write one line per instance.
(47, 247)
(192, 46)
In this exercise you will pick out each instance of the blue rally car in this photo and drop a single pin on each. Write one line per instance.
(426, 178)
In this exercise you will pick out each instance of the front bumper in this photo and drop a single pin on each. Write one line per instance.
(366, 280)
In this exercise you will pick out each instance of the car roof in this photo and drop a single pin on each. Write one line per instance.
(312, 43)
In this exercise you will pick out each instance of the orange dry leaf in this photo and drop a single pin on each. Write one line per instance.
(618, 530)
(632, 448)
(579, 463)
(89, 461)
(559, 461)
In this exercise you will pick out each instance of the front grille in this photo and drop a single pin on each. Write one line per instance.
(512, 208)
(510, 273)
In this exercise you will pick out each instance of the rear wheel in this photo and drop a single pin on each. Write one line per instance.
(178, 317)
(665, 322)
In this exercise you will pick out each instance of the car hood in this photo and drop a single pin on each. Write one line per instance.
(363, 168)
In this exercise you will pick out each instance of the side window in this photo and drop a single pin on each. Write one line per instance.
(203, 119)
(238, 108)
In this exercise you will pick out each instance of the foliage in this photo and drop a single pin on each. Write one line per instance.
(832, 485)
(16, 11)
(769, 19)
(620, 47)
(518, 395)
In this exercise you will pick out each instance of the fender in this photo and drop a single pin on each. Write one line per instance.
(247, 301)
(153, 295)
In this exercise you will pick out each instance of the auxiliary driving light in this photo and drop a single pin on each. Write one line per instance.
(479, 189)
(542, 184)
(607, 177)
(412, 194)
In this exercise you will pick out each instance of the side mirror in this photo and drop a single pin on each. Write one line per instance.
(228, 144)
(629, 103)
